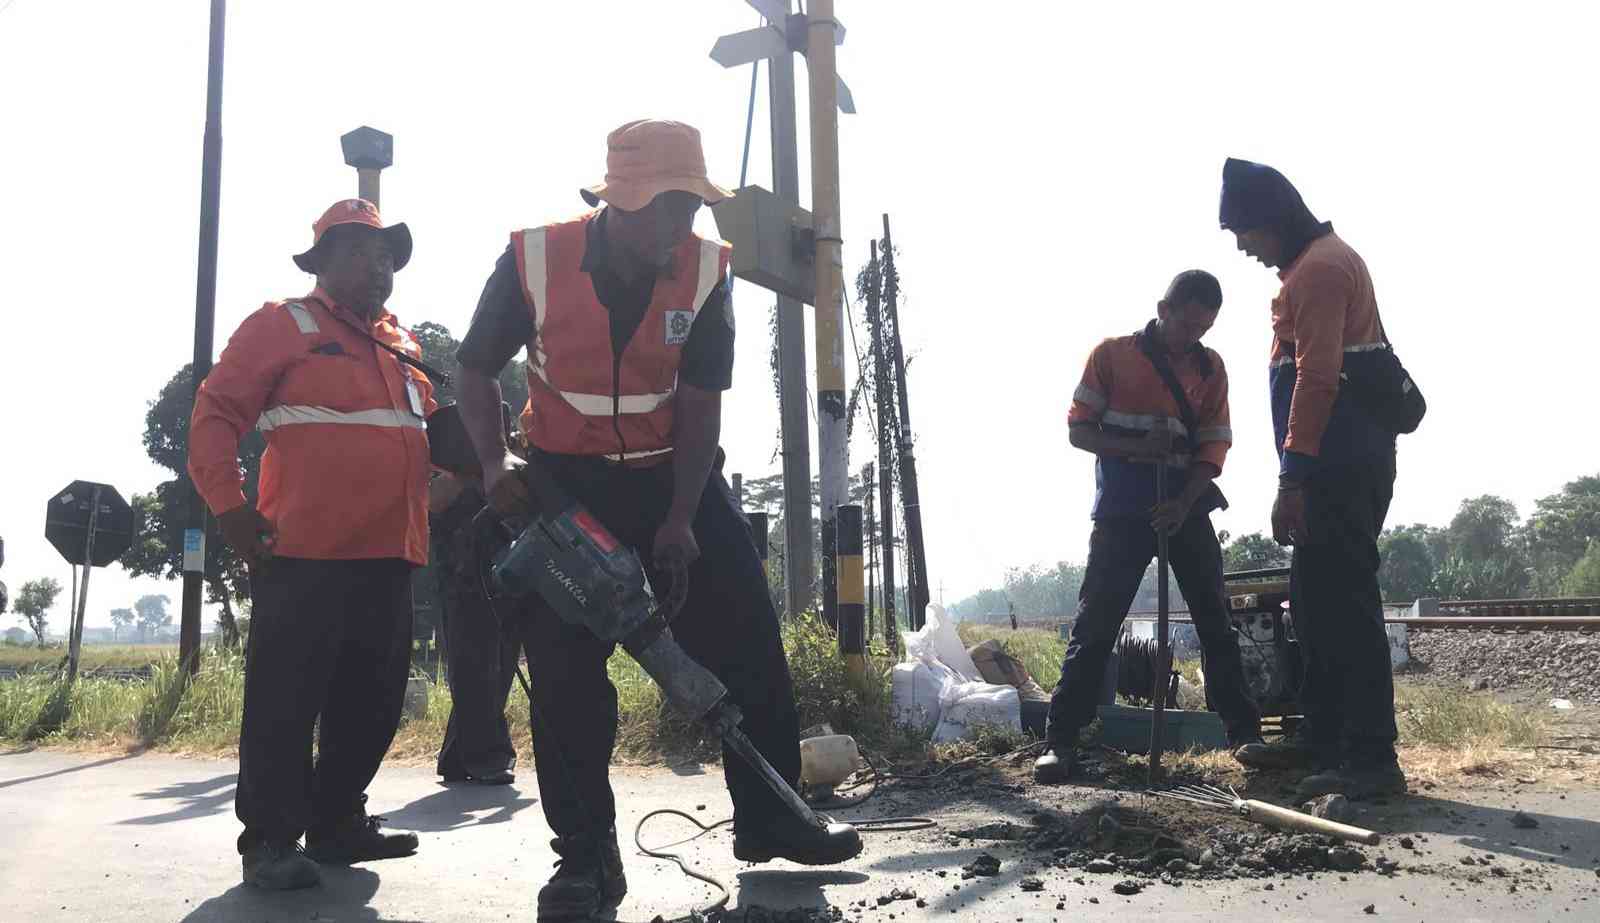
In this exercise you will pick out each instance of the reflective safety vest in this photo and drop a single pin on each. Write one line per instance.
(345, 473)
(582, 399)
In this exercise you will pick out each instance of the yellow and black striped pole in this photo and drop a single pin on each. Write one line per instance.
(852, 591)
(758, 533)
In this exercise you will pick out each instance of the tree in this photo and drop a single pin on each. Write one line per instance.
(1484, 528)
(153, 616)
(34, 603)
(161, 516)
(1252, 552)
(1407, 572)
(1487, 553)
(1584, 578)
(439, 350)
(1561, 530)
(121, 621)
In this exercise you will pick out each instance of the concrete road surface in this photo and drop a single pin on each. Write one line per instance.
(151, 837)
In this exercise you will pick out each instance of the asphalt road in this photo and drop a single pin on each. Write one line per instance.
(151, 837)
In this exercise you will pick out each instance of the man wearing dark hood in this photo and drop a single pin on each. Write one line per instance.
(1336, 478)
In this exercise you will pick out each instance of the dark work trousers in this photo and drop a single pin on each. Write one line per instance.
(480, 662)
(727, 624)
(1348, 695)
(329, 640)
(1120, 550)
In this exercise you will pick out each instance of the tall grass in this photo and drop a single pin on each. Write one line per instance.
(1446, 717)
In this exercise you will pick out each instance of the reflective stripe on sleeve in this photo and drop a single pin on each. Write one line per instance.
(290, 415)
(1214, 434)
(1090, 398)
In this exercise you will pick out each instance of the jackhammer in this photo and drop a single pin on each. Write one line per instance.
(570, 561)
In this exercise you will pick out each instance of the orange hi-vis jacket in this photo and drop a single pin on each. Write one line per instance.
(345, 474)
(582, 398)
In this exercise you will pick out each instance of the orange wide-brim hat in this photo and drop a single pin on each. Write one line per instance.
(649, 157)
(356, 211)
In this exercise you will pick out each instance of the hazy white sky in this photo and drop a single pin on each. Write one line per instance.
(1048, 167)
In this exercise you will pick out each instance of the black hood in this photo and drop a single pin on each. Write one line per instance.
(1255, 195)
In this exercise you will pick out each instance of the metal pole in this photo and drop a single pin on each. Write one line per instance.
(1158, 691)
(75, 627)
(852, 598)
(205, 301)
(832, 447)
(738, 490)
(917, 579)
(759, 535)
(367, 184)
(799, 545)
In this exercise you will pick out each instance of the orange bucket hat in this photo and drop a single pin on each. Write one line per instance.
(648, 157)
(356, 211)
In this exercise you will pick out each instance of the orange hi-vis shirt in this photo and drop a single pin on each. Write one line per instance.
(1324, 320)
(1123, 393)
(345, 474)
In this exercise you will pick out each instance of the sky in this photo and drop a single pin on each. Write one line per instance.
(1047, 169)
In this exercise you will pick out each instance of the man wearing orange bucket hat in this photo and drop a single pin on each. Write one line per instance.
(339, 390)
(626, 319)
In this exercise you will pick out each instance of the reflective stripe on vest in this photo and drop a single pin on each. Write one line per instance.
(536, 268)
(303, 318)
(289, 415)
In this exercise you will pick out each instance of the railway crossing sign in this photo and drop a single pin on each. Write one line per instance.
(83, 505)
(771, 40)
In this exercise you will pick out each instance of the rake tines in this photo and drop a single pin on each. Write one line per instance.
(1208, 796)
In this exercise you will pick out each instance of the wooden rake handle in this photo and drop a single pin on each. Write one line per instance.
(1286, 819)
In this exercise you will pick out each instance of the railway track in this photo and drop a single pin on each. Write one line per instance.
(126, 674)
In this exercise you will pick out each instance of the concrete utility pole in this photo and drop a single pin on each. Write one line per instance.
(799, 547)
(777, 266)
(370, 151)
(911, 498)
(205, 309)
(832, 445)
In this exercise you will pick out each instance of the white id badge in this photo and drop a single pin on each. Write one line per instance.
(414, 394)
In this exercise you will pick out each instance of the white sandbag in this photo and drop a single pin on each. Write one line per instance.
(914, 692)
(938, 642)
(966, 707)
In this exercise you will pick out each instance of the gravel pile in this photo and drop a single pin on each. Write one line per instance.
(1563, 664)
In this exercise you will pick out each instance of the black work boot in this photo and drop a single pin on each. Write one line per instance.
(1356, 780)
(789, 837)
(356, 838)
(1055, 765)
(279, 867)
(1293, 751)
(588, 878)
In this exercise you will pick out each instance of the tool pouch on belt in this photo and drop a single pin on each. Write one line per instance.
(1384, 389)
(1212, 499)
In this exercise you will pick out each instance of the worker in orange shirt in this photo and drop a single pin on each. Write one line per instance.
(1156, 397)
(1335, 482)
(339, 391)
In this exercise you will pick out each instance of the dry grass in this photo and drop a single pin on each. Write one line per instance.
(92, 657)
